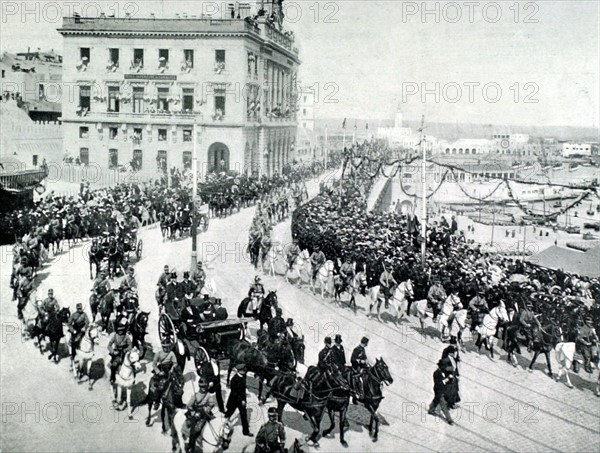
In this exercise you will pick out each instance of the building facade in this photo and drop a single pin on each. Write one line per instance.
(576, 149)
(140, 86)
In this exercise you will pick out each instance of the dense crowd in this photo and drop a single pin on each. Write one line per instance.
(337, 223)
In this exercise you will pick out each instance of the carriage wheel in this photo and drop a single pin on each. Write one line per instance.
(166, 330)
(138, 251)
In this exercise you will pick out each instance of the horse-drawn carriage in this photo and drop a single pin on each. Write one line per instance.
(217, 337)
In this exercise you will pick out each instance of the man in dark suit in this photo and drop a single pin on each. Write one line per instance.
(339, 355)
(442, 378)
(237, 399)
(325, 356)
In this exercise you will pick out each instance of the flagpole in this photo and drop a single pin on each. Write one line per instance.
(194, 231)
(424, 195)
(326, 148)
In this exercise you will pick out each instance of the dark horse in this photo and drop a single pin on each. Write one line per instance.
(165, 390)
(51, 325)
(138, 331)
(545, 339)
(372, 379)
(96, 255)
(263, 361)
(265, 312)
(310, 395)
(339, 402)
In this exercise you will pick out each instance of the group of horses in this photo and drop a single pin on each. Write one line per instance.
(496, 325)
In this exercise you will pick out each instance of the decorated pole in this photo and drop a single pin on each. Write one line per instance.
(194, 231)
(424, 194)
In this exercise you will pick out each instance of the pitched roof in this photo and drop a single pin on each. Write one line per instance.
(569, 260)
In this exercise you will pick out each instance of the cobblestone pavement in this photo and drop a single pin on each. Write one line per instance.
(503, 408)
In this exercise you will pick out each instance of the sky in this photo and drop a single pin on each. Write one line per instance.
(504, 62)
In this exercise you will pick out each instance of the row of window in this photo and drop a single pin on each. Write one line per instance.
(85, 56)
(137, 157)
(138, 134)
(141, 103)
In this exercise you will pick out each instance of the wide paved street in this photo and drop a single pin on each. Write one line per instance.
(503, 408)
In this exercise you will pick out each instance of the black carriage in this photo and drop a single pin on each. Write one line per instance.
(216, 337)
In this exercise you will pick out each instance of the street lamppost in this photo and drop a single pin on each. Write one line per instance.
(194, 230)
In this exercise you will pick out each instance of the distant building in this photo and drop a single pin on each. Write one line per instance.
(466, 146)
(142, 84)
(34, 80)
(576, 149)
(306, 109)
(403, 137)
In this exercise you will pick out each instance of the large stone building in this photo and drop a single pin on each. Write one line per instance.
(140, 85)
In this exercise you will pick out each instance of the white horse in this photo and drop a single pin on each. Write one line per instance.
(324, 278)
(446, 312)
(30, 314)
(566, 356)
(487, 329)
(419, 309)
(274, 255)
(398, 301)
(301, 269)
(85, 355)
(125, 379)
(215, 436)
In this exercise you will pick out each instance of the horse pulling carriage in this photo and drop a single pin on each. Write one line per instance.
(216, 337)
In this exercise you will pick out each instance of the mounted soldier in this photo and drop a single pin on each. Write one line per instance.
(50, 304)
(528, 324)
(436, 297)
(119, 344)
(199, 411)
(360, 363)
(78, 324)
(293, 253)
(271, 436)
(586, 342)
(317, 259)
(387, 283)
(128, 283)
(478, 308)
(346, 273)
(256, 294)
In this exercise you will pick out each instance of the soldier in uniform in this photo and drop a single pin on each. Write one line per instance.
(293, 253)
(78, 324)
(326, 356)
(528, 324)
(271, 436)
(101, 285)
(256, 294)
(164, 278)
(586, 339)
(339, 355)
(119, 344)
(128, 283)
(50, 304)
(478, 308)
(198, 277)
(387, 282)
(436, 297)
(200, 409)
(346, 273)
(317, 259)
